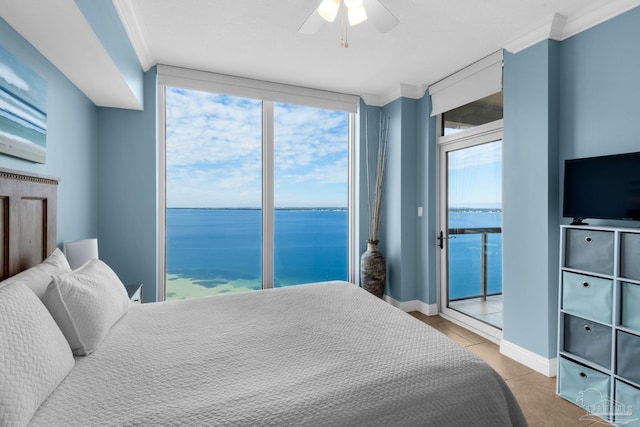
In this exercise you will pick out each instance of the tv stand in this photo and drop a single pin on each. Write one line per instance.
(599, 321)
(578, 221)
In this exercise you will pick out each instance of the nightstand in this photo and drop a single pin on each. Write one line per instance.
(135, 293)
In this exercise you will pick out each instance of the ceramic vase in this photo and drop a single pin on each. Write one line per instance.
(373, 270)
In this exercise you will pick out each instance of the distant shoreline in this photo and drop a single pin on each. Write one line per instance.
(259, 209)
(477, 210)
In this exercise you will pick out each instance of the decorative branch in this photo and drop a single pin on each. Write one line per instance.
(383, 137)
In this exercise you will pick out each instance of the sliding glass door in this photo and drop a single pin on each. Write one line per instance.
(256, 194)
(470, 233)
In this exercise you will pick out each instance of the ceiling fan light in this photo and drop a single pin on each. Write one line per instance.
(357, 15)
(328, 9)
(351, 4)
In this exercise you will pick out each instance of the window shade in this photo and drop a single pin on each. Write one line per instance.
(474, 82)
(256, 89)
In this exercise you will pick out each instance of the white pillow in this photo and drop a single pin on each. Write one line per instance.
(34, 354)
(86, 303)
(38, 277)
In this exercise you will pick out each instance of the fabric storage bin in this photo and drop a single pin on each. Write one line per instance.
(630, 305)
(587, 339)
(627, 405)
(581, 385)
(589, 250)
(628, 357)
(587, 296)
(630, 256)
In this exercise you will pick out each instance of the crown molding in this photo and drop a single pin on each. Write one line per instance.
(593, 17)
(403, 90)
(131, 24)
(559, 27)
(551, 27)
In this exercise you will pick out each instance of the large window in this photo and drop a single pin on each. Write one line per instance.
(257, 193)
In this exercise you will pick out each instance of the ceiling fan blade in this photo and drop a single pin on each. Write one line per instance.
(312, 24)
(380, 16)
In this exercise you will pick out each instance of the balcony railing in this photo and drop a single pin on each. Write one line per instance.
(483, 232)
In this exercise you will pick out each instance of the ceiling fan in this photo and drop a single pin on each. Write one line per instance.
(353, 12)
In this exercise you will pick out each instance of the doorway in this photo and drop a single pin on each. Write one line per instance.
(470, 228)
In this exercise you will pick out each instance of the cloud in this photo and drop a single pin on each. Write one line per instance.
(475, 156)
(214, 152)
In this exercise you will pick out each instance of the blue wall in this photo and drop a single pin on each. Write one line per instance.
(426, 155)
(600, 92)
(398, 232)
(127, 190)
(577, 98)
(530, 198)
(72, 144)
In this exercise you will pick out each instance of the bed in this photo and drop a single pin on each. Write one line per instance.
(323, 354)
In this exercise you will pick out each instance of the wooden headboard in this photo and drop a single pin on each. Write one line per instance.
(27, 220)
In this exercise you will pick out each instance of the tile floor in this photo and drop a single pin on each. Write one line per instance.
(535, 392)
(489, 311)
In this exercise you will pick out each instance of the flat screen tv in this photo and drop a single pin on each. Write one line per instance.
(606, 187)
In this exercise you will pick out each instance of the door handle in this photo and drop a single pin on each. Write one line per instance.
(441, 239)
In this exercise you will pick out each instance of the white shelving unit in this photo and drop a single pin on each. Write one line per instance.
(599, 321)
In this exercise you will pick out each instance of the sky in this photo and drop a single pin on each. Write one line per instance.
(475, 176)
(214, 153)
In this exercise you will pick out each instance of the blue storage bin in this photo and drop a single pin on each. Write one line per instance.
(589, 250)
(630, 255)
(627, 405)
(587, 296)
(630, 305)
(587, 339)
(628, 357)
(582, 386)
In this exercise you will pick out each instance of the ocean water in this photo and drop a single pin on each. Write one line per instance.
(216, 247)
(212, 247)
(465, 253)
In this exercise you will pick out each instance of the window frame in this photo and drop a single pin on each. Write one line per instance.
(269, 94)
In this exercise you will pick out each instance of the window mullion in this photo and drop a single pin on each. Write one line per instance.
(267, 195)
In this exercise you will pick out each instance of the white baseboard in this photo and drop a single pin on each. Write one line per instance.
(548, 367)
(414, 305)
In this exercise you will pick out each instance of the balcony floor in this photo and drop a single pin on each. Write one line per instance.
(489, 311)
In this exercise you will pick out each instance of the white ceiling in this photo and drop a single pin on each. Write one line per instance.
(259, 39)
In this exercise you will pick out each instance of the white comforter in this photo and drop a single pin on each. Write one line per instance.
(315, 355)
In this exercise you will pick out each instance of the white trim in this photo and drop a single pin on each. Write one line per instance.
(413, 305)
(404, 90)
(161, 236)
(558, 27)
(543, 30)
(352, 264)
(131, 24)
(268, 228)
(256, 89)
(547, 367)
(478, 80)
(485, 330)
(478, 135)
(598, 15)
